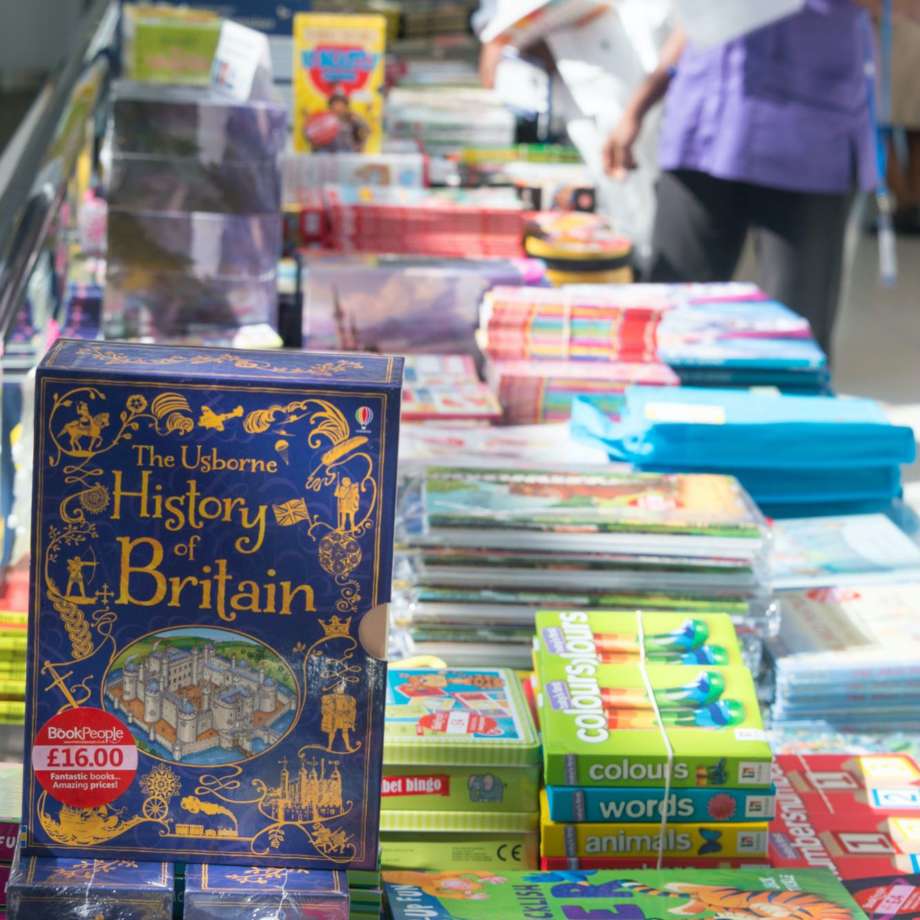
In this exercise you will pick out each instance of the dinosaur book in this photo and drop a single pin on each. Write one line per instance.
(211, 557)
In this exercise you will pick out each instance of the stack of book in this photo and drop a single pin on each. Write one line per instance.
(484, 548)
(744, 342)
(654, 749)
(446, 388)
(536, 392)
(461, 771)
(194, 227)
(365, 894)
(446, 120)
(710, 335)
(545, 347)
(841, 551)
(579, 323)
(795, 455)
(850, 657)
(303, 173)
(447, 223)
(855, 815)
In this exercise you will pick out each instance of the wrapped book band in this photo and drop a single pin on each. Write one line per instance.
(669, 750)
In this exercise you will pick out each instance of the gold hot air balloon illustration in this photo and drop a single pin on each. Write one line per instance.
(282, 447)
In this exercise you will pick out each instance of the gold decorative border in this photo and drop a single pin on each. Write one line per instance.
(378, 395)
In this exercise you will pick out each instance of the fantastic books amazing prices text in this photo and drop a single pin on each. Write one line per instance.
(212, 547)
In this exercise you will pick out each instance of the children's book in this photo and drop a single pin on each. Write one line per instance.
(628, 894)
(211, 560)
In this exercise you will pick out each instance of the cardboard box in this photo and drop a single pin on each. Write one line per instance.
(600, 728)
(72, 889)
(459, 740)
(212, 553)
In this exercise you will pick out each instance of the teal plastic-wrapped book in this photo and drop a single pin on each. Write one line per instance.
(728, 430)
(212, 548)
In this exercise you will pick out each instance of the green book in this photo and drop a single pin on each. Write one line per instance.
(741, 894)
(458, 740)
(625, 724)
(624, 637)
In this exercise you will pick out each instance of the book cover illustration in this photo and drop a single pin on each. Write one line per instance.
(211, 550)
(857, 815)
(461, 739)
(596, 502)
(338, 82)
(891, 897)
(841, 550)
(742, 894)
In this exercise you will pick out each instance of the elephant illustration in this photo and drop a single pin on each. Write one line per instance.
(485, 788)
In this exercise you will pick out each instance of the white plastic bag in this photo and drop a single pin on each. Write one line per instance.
(601, 65)
(714, 22)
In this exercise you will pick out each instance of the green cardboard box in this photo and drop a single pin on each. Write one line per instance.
(601, 726)
(458, 740)
(459, 840)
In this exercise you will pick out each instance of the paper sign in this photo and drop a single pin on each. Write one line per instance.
(240, 54)
(679, 413)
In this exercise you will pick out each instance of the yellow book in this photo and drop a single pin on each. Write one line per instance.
(338, 82)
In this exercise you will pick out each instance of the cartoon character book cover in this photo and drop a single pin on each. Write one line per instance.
(338, 82)
(212, 547)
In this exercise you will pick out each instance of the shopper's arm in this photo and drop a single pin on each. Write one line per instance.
(618, 148)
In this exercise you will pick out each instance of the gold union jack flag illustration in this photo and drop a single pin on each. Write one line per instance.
(290, 513)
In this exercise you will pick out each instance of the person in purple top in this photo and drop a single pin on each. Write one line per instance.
(772, 133)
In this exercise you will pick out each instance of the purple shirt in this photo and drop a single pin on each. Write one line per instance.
(786, 106)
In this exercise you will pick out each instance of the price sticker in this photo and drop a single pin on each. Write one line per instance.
(84, 757)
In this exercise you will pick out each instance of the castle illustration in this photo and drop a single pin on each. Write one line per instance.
(312, 793)
(194, 700)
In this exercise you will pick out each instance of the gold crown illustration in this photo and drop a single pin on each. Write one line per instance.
(335, 627)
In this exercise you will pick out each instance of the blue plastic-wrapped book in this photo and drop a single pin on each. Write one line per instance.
(728, 430)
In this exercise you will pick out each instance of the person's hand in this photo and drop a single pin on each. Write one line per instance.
(618, 148)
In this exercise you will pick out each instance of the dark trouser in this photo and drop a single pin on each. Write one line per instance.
(702, 222)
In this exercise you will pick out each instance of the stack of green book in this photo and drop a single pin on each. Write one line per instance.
(461, 771)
